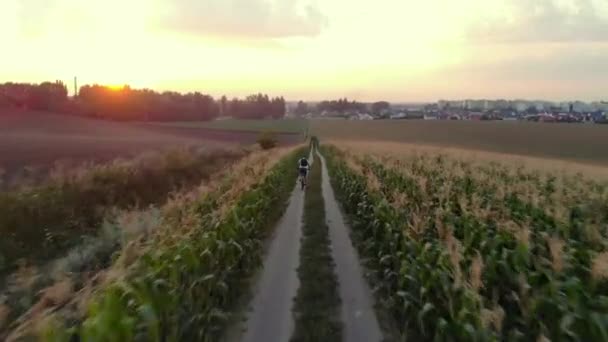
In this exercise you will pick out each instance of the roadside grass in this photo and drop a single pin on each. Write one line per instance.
(317, 304)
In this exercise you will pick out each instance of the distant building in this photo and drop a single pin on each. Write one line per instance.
(475, 116)
(455, 117)
(222, 118)
(520, 106)
(539, 106)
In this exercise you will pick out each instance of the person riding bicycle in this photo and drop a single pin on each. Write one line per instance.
(303, 167)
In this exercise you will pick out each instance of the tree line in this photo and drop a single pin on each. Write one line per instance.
(341, 106)
(128, 104)
(41, 96)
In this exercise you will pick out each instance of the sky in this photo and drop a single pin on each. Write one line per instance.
(396, 50)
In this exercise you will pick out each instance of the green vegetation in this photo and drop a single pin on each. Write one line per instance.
(184, 286)
(279, 125)
(475, 251)
(317, 305)
(41, 222)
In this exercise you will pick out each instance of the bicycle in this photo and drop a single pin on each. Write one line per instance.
(303, 178)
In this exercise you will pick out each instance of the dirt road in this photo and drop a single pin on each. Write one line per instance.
(270, 318)
(358, 315)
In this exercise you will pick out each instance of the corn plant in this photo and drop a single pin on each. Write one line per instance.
(479, 251)
(184, 287)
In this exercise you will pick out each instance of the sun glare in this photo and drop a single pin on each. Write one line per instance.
(116, 87)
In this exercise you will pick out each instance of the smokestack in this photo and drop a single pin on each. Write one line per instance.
(75, 87)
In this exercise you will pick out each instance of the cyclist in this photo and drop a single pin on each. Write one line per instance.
(303, 167)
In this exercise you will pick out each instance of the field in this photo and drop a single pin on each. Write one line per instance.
(199, 230)
(295, 126)
(576, 142)
(70, 211)
(465, 247)
(40, 139)
(417, 231)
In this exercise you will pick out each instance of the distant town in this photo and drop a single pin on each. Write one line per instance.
(511, 110)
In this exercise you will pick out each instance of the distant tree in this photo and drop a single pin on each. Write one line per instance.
(379, 107)
(532, 110)
(44, 96)
(340, 106)
(223, 105)
(301, 108)
(127, 104)
(278, 107)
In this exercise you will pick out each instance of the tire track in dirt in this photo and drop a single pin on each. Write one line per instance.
(270, 317)
(360, 323)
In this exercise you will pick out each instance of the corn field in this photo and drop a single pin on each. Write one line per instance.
(478, 251)
(182, 283)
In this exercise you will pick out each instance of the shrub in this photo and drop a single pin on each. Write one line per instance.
(41, 222)
(268, 140)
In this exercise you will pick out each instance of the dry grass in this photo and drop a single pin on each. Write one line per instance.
(4, 312)
(493, 318)
(599, 266)
(476, 272)
(453, 249)
(542, 338)
(522, 234)
(556, 248)
(52, 296)
(24, 278)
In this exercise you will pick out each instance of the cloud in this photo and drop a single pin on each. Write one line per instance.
(560, 63)
(246, 18)
(562, 71)
(526, 21)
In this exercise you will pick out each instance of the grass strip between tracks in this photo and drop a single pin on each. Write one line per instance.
(317, 304)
